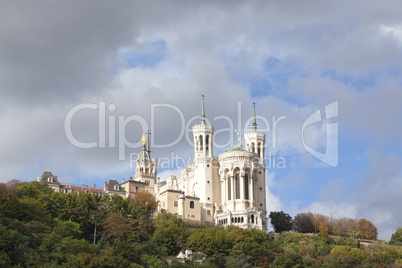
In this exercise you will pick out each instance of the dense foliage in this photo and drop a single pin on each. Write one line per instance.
(281, 221)
(317, 223)
(42, 228)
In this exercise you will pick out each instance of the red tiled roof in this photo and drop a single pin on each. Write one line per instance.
(80, 188)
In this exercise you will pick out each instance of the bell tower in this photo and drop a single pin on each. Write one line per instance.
(206, 178)
(146, 166)
(255, 141)
(203, 138)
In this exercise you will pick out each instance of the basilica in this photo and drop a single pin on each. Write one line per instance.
(227, 190)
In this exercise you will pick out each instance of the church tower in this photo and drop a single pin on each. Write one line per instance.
(146, 166)
(255, 141)
(206, 180)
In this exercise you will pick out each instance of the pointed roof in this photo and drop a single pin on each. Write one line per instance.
(203, 110)
(48, 174)
(111, 186)
(254, 118)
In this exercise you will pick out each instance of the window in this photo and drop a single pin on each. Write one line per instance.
(206, 143)
(201, 143)
(192, 216)
(237, 184)
(208, 212)
(246, 186)
(163, 204)
(175, 204)
(259, 149)
(146, 182)
(252, 147)
(191, 204)
(229, 188)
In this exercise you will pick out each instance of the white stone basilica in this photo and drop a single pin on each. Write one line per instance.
(228, 189)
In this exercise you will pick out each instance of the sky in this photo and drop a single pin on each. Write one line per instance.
(81, 82)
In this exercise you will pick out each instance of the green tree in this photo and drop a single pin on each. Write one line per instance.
(141, 220)
(170, 235)
(281, 221)
(34, 189)
(396, 237)
(254, 243)
(210, 241)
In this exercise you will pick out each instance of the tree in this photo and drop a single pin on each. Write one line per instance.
(210, 241)
(396, 237)
(254, 243)
(366, 229)
(281, 221)
(117, 227)
(147, 199)
(169, 236)
(304, 223)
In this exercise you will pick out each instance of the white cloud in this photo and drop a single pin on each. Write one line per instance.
(394, 31)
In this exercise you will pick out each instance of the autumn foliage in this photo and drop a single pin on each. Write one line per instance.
(318, 223)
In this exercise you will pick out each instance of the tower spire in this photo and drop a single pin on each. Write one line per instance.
(148, 147)
(203, 111)
(254, 119)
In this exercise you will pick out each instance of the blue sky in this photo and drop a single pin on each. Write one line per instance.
(153, 62)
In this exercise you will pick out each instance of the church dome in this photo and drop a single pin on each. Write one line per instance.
(238, 148)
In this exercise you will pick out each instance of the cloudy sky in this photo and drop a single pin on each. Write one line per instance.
(80, 83)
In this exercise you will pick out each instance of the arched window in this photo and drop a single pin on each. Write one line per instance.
(246, 186)
(259, 149)
(229, 188)
(252, 218)
(136, 189)
(237, 185)
(253, 147)
(207, 143)
(191, 204)
(201, 147)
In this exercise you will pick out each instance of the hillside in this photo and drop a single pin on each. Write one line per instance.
(42, 228)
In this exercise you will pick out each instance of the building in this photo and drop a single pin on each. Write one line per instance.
(227, 190)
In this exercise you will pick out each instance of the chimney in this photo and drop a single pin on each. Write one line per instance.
(105, 186)
(55, 177)
(131, 178)
(94, 186)
(122, 180)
